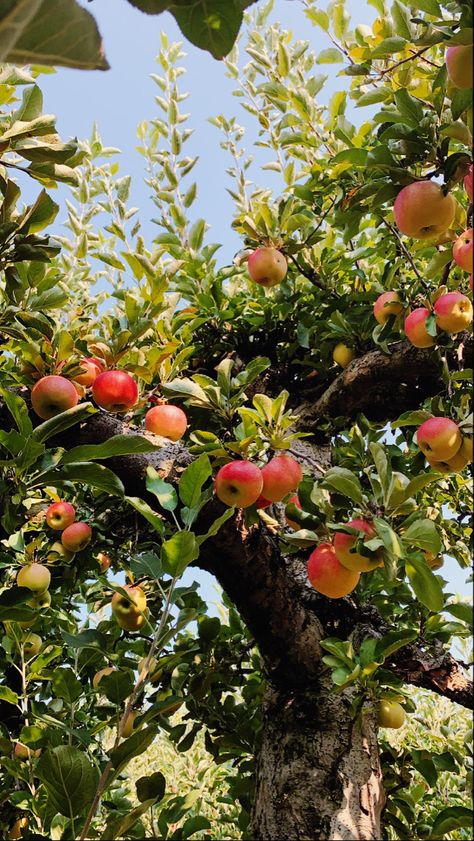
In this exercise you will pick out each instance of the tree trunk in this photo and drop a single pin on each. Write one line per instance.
(318, 773)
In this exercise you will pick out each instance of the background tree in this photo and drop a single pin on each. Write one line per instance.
(285, 675)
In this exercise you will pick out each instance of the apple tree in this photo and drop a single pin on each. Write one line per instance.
(295, 420)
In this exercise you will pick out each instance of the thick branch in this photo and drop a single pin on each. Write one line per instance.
(438, 672)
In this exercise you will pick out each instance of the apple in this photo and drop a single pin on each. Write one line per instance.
(422, 210)
(103, 561)
(434, 561)
(462, 251)
(453, 312)
(34, 576)
(127, 728)
(23, 752)
(468, 446)
(342, 355)
(91, 369)
(262, 503)
(292, 523)
(387, 304)
(76, 537)
(327, 575)
(108, 670)
(343, 543)
(115, 391)
(455, 464)
(459, 65)
(439, 438)
(281, 475)
(390, 714)
(267, 266)
(60, 515)
(31, 645)
(415, 328)
(129, 610)
(167, 421)
(239, 483)
(40, 601)
(469, 182)
(52, 395)
(57, 552)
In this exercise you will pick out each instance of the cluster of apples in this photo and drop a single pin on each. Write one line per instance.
(334, 569)
(444, 446)
(453, 312)
(242, 483)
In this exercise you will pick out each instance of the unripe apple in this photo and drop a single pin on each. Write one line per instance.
(103, 561)
(52, 395)
(390, 714)
(60, 515)
(267, 266)
(343, 543)
(434, 561)
(115, 391)
(31, 645)
(167, 421)
(459, 65)
(239, 483)
(40, 601)
(415, 328)
(129, 611)
(34, 576)
(23, 752)
(439, 438)
(281, 475)
(387, 304)
(76, 537)
(108, 670)
(127, 729)
(343, 355)
(292, 523)
(469, 182)
(57, 552)
(453, 312)
(463, 251)
(16, 831)
(328, 576)
(262, 503)
(421, 210)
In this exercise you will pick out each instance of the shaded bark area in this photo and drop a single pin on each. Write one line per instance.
(318, 770)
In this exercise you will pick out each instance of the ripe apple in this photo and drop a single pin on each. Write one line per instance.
(31, 645)
(92, 368)
(103, 561)
(455, 464)
(415, 328)
(434, 561)
(23, 752)
(129, 611)
(52, 395)
(267, 266)
(76, 537)
(469, 182)
(390, 714)
(57, 552)
(387, 304)
(292, 523)
(463, 251)
(281, 475)
(60, 515)
(127, 729)
(343, 543)
(34, 576)
(422, 210)
(239, 483)
(167, 421)
(459, 65)
(342, 354)
(115, 391)
(439, 438)
(328, 576)
(108, 670)
(453, 312)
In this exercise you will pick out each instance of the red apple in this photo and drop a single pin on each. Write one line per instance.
(292, 523)
(115, 391)
(281, 475)
(387, 304)
(34, 576)
(91, 372)
(267, 266)
(130, 611)
(60, 515)
(462, 251)
(459, 65)
(103, 561)
(343, 543)
(239, 483)
(469, 182)
(415, 328)
(422, 210)
(52, 395)
(23, 752)
(76, 537)
(328, 576)
(453, 312)
(167, 421)
(439, 438)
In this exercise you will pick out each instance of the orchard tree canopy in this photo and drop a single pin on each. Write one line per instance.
(294, 419)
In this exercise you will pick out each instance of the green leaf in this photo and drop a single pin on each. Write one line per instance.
(119, 827)
(66, 685)
(423, 533)
(19, 411)
(409, 107)
(214, 528)
(147, 512)
(164, 492)
(192, 480)
(384, 469)
(194, 824)
(178, 552)
(8, 696)
(302, 537)
(389, 46)
(135, 745)
(425, 585)
(117, 686)
(58, 32)
(393, 641)
(85, 639)
(118, 445)
(330, 56)
(460, 101)
(69, 779)
(390, 539)
(411, 419)
(87, 473)
(152, 787)
(453, 817)
(354, 156)
(146, 563)
(63, 421)
(461, 611)
(344, 482)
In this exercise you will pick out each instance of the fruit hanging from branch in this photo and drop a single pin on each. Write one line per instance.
(52, 395)
(166, 420)
(239, 483)
(267, 266)
(115, 391)
(328, 576)
(422, 210)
